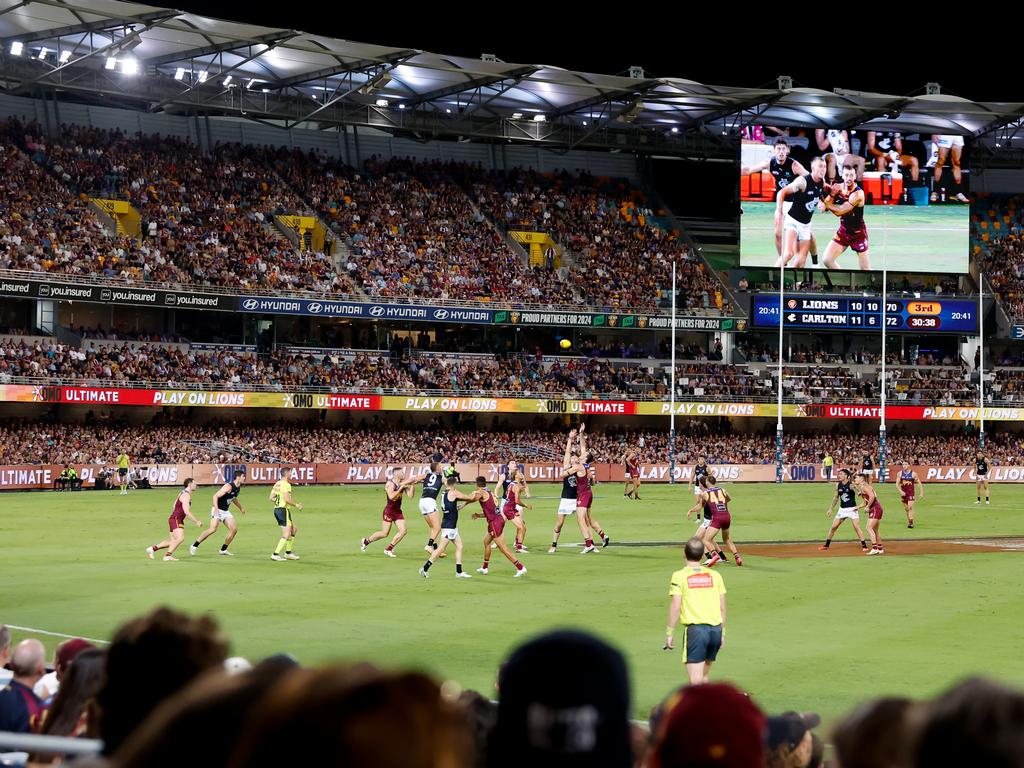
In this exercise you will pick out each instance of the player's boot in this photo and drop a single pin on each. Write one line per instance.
(192, 549)
(822, 548)
(390, 553)
(482, 570)
(518, 573)
(287, 555)
(424, 574)
(552, 550)
(231, 554)
(149, 553)
(277, 557)
(715, 559)
(170, 558)
(606, 541)
(739, 560)
(588, 550)
(462, 575)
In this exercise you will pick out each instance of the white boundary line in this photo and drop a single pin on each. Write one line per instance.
(54, 634)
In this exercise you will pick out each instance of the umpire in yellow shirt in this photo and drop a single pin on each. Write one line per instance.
(698, 603)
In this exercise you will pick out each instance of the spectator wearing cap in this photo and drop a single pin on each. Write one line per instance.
(789, 742)
(697, 600)
(20, 708)
(707, 726)
(543, 723)
(66, 652)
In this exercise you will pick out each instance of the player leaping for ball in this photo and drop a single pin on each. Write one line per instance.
(805, 193)
(908, 481)
(585, 496)
(847, 202)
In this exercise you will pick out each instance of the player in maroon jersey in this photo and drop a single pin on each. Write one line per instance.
(513, 504)
(847, 202)
(495, 528)
(717, 501)
(632, 462)
(584, 495)
(874, 508)
(393, 490)
(909, 482)
(176, 522)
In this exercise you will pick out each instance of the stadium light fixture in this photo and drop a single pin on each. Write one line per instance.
(228, 79)
(204, 76)
(381, 102)
(517, 115)
(251, 83)
(111, 62)
(266, 90)
(401, 106)
(65, 56)
(130, 66)
(179, 73)
(375, 83)
(584, 123)
(675, 129)
(539, 118)
(448, 111)
(17, 47)
(42, 53)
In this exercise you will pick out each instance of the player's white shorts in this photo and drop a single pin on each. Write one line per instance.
(697, 491)
(786, 206)
(427, 506)
(567, 506)
(947, 141)
(449, 533)
(847, 513)
(705, 523)
(221, 514)
(803, 231)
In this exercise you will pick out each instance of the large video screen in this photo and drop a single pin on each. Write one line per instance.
(854, 200)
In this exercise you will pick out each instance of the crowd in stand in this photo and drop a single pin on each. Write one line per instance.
(623, 259)
(99, 442)
(411, 228)
(345, 714)
(1000, 250)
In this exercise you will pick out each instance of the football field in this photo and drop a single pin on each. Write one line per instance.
(819, 632)
(906, 238)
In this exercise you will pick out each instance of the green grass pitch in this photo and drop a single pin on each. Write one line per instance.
(906, 237)
(813, 634)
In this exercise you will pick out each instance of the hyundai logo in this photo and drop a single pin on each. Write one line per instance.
(440, 314)
(250, 304)
(376, 311)
(315, 307)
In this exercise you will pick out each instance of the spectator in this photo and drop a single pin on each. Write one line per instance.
(66, 652)
(5, 654)
(874, 734)
(706, 726)
(149, 659)
(69, 714)
(544, 724)
(789, 742)
(20, 708)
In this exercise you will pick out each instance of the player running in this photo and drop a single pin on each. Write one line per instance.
(176, 522)
(908, 480)
(220, 512)
(449, 528)
(495, 528)
(284, 503)
(432, 482)
(874, 508)
(392, 515)
(981, 475)
(632, 462)
(846, 497)
(512, 506)
(805, 193)
(847, 202)
(784, 169)
(717, 499)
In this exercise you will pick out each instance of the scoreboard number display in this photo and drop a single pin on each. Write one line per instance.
(865, 313)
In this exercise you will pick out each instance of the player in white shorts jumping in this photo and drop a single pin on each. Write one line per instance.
(846, 497)
(220, 512)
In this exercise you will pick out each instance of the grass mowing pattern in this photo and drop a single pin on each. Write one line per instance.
(818, 634)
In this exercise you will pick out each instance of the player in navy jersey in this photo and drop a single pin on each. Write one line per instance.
(432, 483)
(783, 169)
(806, 194)
(981, 475)
(846, 497)
(847, 201)
(221, 513)
(580, 467)
(450, 499)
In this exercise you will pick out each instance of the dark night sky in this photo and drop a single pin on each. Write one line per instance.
(682, 44)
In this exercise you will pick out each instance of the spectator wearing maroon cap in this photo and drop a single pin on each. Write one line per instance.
(66, 652)
(706, 726)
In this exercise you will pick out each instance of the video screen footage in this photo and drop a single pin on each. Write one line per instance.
(854, 200)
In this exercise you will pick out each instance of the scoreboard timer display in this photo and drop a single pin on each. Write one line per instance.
(865, 313)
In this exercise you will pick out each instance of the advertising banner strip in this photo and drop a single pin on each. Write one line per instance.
(72, 395)
(616, 320)
(370, 311)
(39, 477)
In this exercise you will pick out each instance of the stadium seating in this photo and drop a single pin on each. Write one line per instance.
(996, 244)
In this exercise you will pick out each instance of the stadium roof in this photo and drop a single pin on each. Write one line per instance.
(168, 60)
